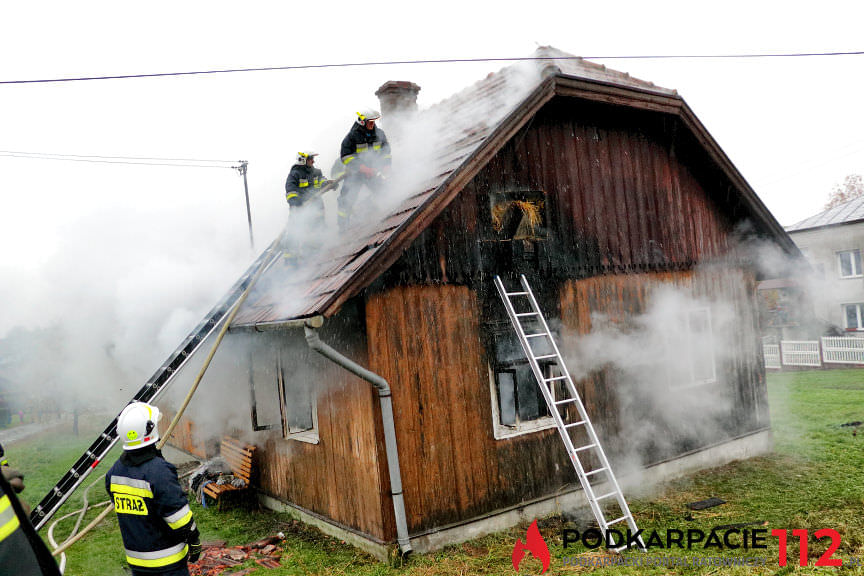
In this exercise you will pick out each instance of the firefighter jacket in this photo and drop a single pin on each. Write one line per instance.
(154, 516)
(362, 147)
(22, 551)
(301, 182)
(3, 460)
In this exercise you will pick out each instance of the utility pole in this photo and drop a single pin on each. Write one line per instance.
(242, 169)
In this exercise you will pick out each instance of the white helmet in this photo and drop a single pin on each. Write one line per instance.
(303, 156)
(367, 114)
(137, 425)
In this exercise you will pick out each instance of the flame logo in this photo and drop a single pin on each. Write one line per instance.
(535, 544)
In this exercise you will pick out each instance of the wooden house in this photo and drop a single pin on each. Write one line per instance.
(601, 189)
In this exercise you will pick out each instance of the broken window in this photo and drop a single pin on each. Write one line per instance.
(283, 397)
(518, 403)
(297, 405)
(518, 215)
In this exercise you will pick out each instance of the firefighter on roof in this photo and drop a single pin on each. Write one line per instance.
(365, 155)
(158, 530)
(303, 180)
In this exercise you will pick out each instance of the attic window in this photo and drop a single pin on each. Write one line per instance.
(518, 215)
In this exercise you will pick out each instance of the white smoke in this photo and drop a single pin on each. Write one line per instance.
(420, 153)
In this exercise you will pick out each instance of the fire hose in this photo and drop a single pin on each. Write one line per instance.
(85, 507)
(170, 430)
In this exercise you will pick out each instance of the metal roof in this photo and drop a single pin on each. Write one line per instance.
(473, 124)
(851, 211)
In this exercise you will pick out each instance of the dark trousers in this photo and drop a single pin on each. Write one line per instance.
(351, 188)
(347, 199)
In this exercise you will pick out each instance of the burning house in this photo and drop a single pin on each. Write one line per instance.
(620, 209)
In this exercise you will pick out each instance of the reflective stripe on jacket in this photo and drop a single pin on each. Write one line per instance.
(300, 181)
(368, 147)
(8, 520)
(152, 510)
(22, 552)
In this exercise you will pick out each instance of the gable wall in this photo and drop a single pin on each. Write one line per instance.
(627, 190)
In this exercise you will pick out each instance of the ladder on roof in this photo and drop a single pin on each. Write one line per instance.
(566, 408)
(154, 386)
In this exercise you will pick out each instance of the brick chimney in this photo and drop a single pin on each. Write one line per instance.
(397, 98)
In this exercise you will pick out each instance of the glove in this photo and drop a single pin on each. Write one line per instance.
(366, 171)
(14, 477)
(194, 551)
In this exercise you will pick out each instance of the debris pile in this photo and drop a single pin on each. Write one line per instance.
(219, 560)
(215, 470)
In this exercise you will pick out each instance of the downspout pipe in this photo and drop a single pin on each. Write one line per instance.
(315, 343)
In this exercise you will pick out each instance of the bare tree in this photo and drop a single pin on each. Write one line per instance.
(852, 187)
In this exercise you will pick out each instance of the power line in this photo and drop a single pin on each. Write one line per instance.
(181, 163)
(442, 61)
(117, 157)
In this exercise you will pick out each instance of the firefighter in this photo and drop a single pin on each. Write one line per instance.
(365, 155)
(158, 530)
(303, 180)
(3, 460)
(22, 551)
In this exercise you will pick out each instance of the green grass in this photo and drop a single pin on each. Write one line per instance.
(813, 480)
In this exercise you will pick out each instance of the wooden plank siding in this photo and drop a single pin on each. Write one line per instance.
(619, 299)
(427, 345)
(341, 476)
(631, 205)
(619, 198)
(344, 476)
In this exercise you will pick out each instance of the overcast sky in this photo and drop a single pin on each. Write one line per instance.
(143, 250)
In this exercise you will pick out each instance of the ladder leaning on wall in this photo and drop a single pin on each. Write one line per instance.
(561, 398)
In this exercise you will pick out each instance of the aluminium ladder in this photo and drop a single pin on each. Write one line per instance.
(155, 385)
(560, 394)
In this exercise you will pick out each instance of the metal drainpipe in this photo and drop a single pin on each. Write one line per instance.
(380, 383)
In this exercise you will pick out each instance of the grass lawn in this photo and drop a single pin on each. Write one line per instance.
(812, 481)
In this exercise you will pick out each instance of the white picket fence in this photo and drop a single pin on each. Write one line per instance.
(814, 353)
(800, 353)
(843, 350)
(772, 356)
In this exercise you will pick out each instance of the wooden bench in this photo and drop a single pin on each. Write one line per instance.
(239, 457)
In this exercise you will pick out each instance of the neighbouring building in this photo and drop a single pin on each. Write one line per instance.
(610, 196)
(832, 242)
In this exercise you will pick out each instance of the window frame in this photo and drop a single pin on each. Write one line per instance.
(673, 352)
(280, 423)
(504, 431)
(309, 435)
(855, 263)
(859, 312)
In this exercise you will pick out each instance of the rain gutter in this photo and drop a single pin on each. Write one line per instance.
(311, 327)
